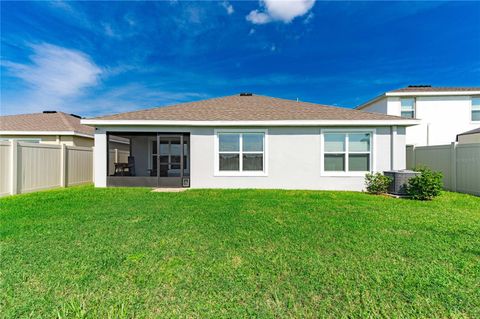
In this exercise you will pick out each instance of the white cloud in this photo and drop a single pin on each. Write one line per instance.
(228, 7)
(279, 10)
(257, 17)
(56, 71)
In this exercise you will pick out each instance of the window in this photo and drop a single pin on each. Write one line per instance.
(347, 151)
(476, 109)
(241, 152)
(408, 108)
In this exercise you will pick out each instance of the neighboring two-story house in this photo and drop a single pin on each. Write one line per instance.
(444, 112)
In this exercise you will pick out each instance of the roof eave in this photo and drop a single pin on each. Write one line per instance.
(431, 93)
(397, 122)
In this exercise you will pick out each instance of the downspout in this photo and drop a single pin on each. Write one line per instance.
(393, 138)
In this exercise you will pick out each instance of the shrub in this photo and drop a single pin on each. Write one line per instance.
(377, 183)
(425, 186)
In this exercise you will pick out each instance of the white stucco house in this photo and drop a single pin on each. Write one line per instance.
(443, 112)
(249, 141)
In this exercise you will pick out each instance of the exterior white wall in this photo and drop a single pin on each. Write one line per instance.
(442, 118)
(100, 158)
(294, 156)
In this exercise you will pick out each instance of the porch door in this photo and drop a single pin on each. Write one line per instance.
(170, 160)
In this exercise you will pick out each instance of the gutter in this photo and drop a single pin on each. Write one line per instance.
(399, 122)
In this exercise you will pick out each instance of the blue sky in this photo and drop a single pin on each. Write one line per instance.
(93, 58)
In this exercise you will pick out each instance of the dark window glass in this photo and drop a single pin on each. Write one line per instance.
(407, 114)
(229, 162)
(334, 162)
(253, 162)
(154, 147)
(359, 162)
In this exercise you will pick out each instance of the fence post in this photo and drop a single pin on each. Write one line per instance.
(14, 167)
(453, 166)
(93, 164)
(63, 165)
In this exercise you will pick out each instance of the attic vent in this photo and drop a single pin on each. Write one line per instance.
(246, 94)
(420, 86)
(49, 112)
(77, 116)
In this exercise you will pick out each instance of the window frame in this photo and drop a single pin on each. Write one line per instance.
(372, 133)
(414, 111)
(472, 110)
(240, 152)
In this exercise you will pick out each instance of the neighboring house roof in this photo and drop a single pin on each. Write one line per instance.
(475, 131)
(241, 109)
(424, 90)
(47, 123)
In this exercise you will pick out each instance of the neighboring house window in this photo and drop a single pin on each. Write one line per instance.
(408, 108)
(476, 109)
(240, 152)
(345, 152)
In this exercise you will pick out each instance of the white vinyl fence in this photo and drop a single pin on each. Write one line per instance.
(459, 163)
(29, 167)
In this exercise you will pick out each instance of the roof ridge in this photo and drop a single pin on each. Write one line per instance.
(65, 118)
(224, 97)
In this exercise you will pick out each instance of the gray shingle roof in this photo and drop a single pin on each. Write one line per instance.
(248, 108)
(58, 121)
(474, 131)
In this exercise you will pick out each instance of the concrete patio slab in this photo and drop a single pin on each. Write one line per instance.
(169, 190)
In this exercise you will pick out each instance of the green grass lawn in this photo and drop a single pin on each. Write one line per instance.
(87, 253)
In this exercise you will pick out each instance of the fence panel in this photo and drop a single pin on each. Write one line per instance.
(459, 163)
(39, 166)
(42, 166)
(5, 168)
(436, 158)
(468, 168)
(79, 165)
(410, 160)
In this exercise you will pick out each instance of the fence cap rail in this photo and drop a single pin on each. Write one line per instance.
(79, 148)
(39, 145)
